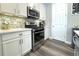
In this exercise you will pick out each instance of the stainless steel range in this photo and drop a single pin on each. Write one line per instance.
(37, 36)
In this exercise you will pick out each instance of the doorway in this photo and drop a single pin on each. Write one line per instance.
(59, 21)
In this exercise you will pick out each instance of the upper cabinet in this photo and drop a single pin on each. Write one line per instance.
(26, 45)
(41, 8)
(8, 7)
(22, 8)
(42, 12)
(19, 9)
(31, 5)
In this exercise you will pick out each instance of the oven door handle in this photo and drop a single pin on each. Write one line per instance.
(39, 32)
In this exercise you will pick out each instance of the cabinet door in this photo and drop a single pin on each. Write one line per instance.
(37, 6)
(0, 51)
(0, 47)
(41, 8)
(26, 46)
(42, 12)
(8, 7)
(12, 47)
(23, 9)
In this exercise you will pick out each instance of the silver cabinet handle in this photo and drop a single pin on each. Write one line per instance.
(22, 41)
(20, 34)
(19, 41)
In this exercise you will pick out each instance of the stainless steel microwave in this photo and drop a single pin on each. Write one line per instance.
(32, 13)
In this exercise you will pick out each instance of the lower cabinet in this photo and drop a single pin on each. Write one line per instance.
(12, 48)
(0, 47)
(0, 51)
(26, 45)
(18, 45)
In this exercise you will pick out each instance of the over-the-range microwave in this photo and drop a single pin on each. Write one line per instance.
(32, 13)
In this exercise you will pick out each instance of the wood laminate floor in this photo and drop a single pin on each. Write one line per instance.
(53, 48)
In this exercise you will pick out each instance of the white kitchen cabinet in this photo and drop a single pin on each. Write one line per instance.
(16, 43)
(26, 45)
(42, 10)
(0, 47)
(22, 8)
(37, 6)
(19, 9)
(8, 7)
(0, 51)
(31, 4)
(12, 48)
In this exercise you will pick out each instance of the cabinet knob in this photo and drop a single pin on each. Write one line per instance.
(22, 41)
(20, 34)
(19, 41)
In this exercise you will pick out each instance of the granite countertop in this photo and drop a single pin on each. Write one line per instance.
(14, 30)
(77, 32)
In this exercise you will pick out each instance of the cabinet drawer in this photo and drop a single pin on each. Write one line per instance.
(27, 36)
(10, 36)
(26, 33)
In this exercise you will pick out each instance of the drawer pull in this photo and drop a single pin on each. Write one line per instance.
(19, 41)
(20, 34)
(22, 41)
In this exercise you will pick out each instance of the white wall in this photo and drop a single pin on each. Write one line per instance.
(72, 21)
(48, 20)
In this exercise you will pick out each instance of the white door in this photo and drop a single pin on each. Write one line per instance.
(26, 44)
(59, 21)
(12, 48)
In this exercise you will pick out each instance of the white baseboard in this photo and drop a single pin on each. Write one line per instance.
(55, 39)
(68, 42)
(50, 38)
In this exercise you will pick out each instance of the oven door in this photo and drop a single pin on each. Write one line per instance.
(39, 35)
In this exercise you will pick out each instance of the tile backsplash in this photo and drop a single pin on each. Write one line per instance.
(8, 22)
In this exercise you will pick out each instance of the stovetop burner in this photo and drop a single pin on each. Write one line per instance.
(34, 27)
